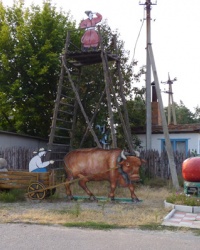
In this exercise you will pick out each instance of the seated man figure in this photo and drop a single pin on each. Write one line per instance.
(36, 164)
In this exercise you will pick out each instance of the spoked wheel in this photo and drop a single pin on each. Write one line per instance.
(36, 191)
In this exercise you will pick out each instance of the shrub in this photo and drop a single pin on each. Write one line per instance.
(183, 199)
(12, 195)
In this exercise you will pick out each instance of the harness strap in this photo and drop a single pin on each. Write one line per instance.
(121, 171)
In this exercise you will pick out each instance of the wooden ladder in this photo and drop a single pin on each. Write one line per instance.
(64, 114)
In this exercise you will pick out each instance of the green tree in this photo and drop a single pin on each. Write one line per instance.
(197, 114)
(183, 114)
(31, 41)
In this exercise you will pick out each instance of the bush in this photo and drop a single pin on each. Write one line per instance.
(183, 199)
(12, 195)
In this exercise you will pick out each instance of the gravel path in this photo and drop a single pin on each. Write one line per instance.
(32, 237)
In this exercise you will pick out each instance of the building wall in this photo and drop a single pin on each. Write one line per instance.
(14, 140)
(193, 140)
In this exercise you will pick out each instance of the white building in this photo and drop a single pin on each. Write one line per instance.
(184, 137)
(9, 139)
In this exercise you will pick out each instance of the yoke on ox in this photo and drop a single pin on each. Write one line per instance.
(95, 164)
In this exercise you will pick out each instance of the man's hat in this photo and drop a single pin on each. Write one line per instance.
(87, 12)
(41, 150)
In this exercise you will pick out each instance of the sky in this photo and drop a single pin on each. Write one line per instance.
(175, 38)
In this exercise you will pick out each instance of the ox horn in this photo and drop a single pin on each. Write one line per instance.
(123, 155)
(137, 153)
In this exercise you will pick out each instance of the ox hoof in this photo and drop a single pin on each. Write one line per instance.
(92, 198)
(70, 198)
(135, 200)
(112, 199)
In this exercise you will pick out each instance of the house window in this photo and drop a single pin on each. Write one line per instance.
(180, 145)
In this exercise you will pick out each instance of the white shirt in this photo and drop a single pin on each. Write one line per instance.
(36, 162)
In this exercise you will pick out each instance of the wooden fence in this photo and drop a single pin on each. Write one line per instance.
(156, 164)
(17, 157)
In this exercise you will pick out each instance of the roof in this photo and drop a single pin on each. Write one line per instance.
(179, 128)
(22, 135)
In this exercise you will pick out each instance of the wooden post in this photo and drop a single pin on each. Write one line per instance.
(93, 117)
(148, 77)
(127, 129)
(81, 107)
(164, 122)
(171, 105)
(107, 85)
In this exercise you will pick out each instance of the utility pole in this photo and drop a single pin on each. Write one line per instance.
(151, 65)
(148, 4)
(171, 106)
(164, 122)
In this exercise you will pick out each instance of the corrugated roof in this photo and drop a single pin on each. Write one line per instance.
(179, 128)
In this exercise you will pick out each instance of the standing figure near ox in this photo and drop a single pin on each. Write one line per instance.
(36, 164)
(90, 38)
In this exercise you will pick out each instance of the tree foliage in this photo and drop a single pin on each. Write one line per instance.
(183, 114)
(31, 41)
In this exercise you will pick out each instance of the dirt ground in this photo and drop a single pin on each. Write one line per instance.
(57, 210)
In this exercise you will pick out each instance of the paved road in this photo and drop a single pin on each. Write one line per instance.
(34, 237)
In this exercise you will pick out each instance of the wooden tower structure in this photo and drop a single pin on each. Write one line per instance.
(68, 98)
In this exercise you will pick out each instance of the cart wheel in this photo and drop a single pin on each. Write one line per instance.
(36, 191)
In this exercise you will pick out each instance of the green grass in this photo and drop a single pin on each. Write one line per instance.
(93, 225)
(183, 199)
(196, 232)
(156, 227)
(13, 195)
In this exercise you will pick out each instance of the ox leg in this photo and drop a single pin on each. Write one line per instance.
(112, 191)
(82, 183)
(68, 190)
(133, 196)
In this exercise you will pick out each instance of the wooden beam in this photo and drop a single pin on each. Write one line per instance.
(164, 122)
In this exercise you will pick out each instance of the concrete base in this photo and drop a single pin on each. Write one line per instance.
(183, 208)
(182, 216)
(192, 188)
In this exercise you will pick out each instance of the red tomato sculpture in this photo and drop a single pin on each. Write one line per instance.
(191, 169)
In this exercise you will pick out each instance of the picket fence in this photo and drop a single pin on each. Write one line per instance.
(17, 157)
(156, 165)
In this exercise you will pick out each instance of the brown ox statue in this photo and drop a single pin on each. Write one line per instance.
(95, 164)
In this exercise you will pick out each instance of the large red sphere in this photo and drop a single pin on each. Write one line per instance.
(191, 169)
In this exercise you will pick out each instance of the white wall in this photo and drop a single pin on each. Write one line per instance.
(14, 140)
(193, 140)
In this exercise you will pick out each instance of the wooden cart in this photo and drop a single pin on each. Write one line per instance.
(38, 185)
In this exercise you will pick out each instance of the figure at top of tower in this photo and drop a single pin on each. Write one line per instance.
(90, 38)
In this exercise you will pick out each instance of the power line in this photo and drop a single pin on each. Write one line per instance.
(132, 62)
